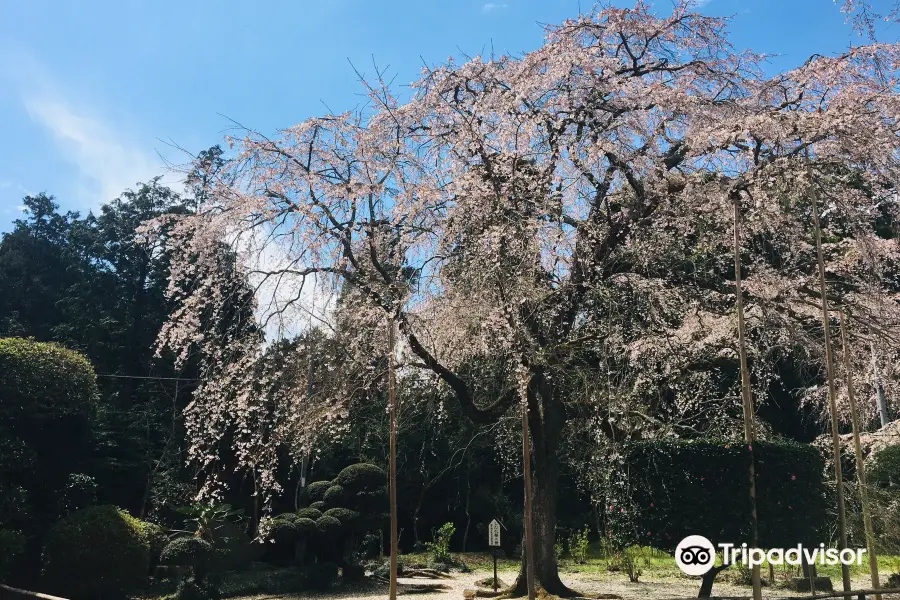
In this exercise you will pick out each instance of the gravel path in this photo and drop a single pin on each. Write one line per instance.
(591, 585)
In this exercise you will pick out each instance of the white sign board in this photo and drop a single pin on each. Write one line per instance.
(494, 533)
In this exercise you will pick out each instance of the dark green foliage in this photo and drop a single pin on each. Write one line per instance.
(157, 539)
(667, 489)
(80, 492)
(191, 589)
(885, 470)
(233, 547)
(188, 551)
(315, 491)
(328, 526)
(306, 528)
(353, 573)
(349, 519)
(439, 546)
(12, 544)
(47, 398)
(320, 576)
(361, 477)
(309, 513)
(282, 536)
(320, 506)
(288, 517)
(334, 496)
(97, 551)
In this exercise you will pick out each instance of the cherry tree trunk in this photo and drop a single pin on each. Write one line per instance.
(546, 419)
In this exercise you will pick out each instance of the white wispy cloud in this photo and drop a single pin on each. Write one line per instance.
(108, 154)
(107, 163)
(491, 6)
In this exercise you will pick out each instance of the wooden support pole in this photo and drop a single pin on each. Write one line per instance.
(832, 392)
(746, 398)
(526, 471)
(860, 464)
(392, 409)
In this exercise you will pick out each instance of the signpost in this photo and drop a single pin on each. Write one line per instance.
(494, 543)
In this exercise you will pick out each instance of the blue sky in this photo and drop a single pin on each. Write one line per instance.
(91, 92)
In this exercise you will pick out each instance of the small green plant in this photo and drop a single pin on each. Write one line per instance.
(439, 546)
(578, 545)
(631, 563)
(559, 549)
(203, 520)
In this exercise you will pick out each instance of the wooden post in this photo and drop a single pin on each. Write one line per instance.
(392, 408)
(526, 471)
(832, 392)
(747, 401)
(860, 465)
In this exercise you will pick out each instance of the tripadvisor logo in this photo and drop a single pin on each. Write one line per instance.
(695, 555)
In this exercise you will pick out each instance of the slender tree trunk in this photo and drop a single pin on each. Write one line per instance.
(879, 389)
(747, 400)
(392, 402)
(832, 392)
(706, 583)
(860, 465)
(468, 506)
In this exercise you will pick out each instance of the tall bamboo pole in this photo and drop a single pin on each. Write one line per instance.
(392, 409)
(746, 398)
(832, 393)
(526, 471)
(860, 465)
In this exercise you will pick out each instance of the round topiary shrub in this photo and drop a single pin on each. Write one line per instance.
(309, 513)
(362, 476)
(334, 496)
(190, 552)
(288, 516)
(306, 528)
(320, 576)
(328, 526)
(315, 492)
(319, 506)
(281, 537)
(348, 518)
(98, 551)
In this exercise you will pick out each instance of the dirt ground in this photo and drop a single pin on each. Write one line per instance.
(590, 585)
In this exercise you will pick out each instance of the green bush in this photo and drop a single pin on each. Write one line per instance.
(288, 517)
(348, 518)
(306, 528)
(80, 492)
(334, 496)
(315, 492)
(361, 476)
(97, 551)
(667, 489)
(319, 506)
(885, 470)
(190, 552)
(12, 544)
(320, 576)
(328, 526)
(439, 546)
(309, 513)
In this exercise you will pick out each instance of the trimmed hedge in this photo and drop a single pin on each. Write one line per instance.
(361, 476)
(319, 506)
(98, 551)
(157, 539)
(189, 552)
(348, 518)
(315, 491)
(335, 496)
(668, 489)
(309, 513)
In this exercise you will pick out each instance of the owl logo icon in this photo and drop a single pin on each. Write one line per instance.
(695, 555)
